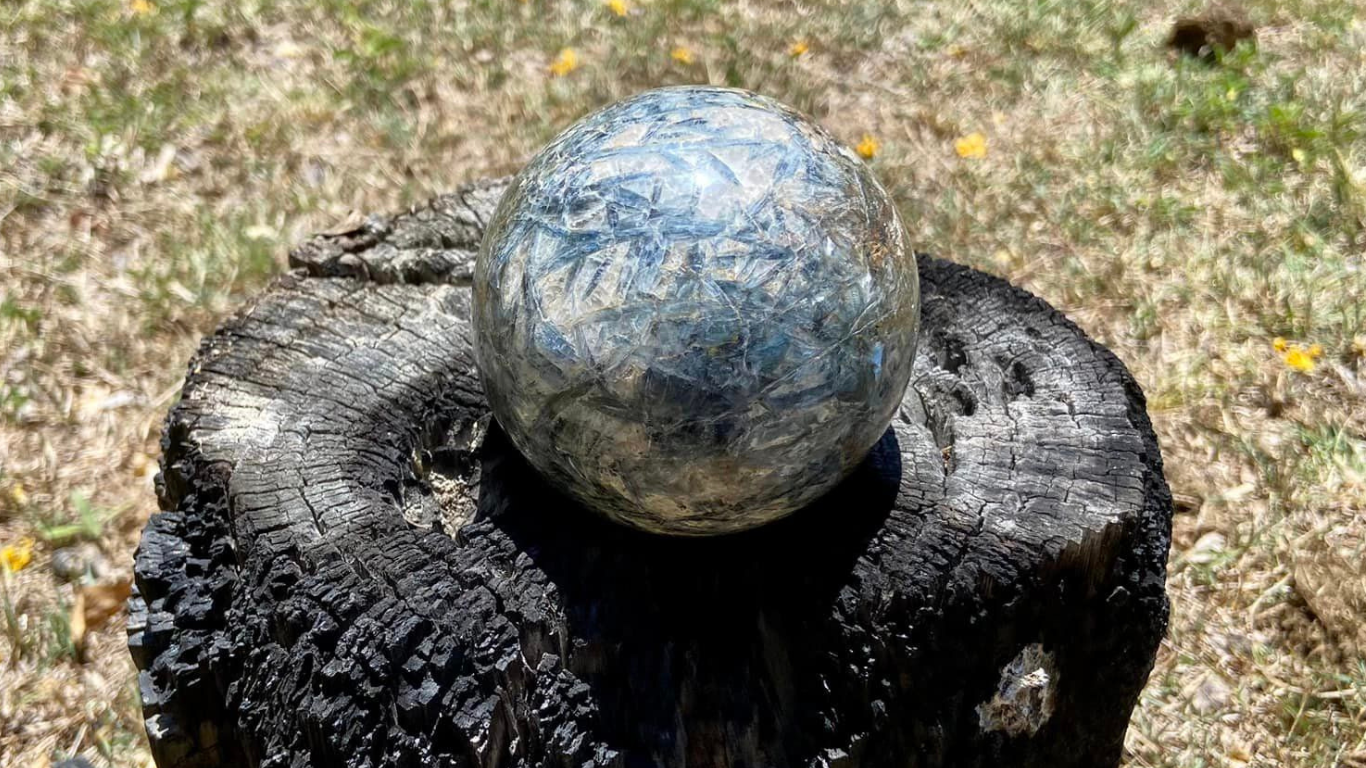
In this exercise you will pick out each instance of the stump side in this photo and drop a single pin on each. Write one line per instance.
(353, 568)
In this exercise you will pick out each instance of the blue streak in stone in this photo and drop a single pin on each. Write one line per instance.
(695, 311)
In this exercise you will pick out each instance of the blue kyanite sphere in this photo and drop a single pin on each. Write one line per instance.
(695, 311)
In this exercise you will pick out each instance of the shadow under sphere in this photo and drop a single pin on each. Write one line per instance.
(673, 630)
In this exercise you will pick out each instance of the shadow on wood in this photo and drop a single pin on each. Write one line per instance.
(698, 631)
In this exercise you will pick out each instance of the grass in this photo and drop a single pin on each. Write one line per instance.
(84, 522)
(157, 159)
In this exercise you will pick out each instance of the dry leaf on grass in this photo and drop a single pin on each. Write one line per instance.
(1330, 581)
(94, 605)
(1219, 28)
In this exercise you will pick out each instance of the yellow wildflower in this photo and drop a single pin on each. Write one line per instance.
(867, 147)
(973, 146)
(1279, 344)
(141, 7)
(16, 557)
(682, 55)
(618, 7)
(1299, 359)
(798, 48)
(1315, 351)
(18, 495)
(566, 61)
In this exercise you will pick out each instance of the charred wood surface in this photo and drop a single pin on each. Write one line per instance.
(353, 568)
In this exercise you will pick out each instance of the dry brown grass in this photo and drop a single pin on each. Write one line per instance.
(156, 159)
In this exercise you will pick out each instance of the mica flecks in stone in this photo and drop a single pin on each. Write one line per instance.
(695, 311)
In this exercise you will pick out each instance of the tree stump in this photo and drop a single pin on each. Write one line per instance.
(353, 568)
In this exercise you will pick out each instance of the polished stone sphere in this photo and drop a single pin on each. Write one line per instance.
(695, 311)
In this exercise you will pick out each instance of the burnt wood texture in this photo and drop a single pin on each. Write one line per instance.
(353, 568)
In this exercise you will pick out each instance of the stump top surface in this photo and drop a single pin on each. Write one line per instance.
(348, 531)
